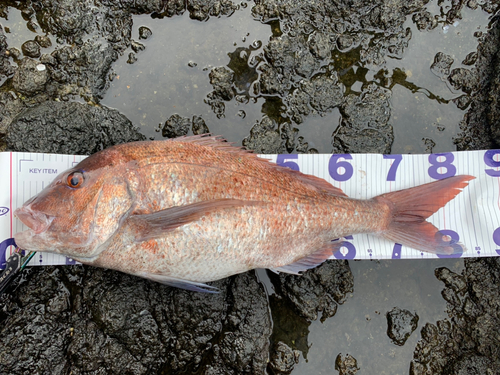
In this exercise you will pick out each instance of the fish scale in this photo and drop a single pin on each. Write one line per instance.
(196, 209)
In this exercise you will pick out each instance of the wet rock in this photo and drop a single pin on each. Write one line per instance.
(283, 359)
(10, 106)
(287, 57)
(351, 140)
(425, 20)
(5, 68)
(145, 32)
(462, 102)
(82, 70)
(221, 78)
(321, 45)
(400, 325)
(325, 93)
(32, 335)
(472, 365)
(364, 126)
(318, 96)
(470, 59)
(66, 18)
(29, 77)
(138, 7)
(265, 138)
(318, 290)
(176, 126)
(346, 365)
(463, 79)
(136, 46)
(69, 128)
(201, 10)
(442, 64)
(132, 58)
(468, 343)
(14, 53)
(199, 126)
(43, 41)
(79, 320)
(479, 129)
(31, 49)
(451, 279)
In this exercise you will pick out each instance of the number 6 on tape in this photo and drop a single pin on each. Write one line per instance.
(335, 164)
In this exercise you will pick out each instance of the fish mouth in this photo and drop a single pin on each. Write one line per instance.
(37, 221)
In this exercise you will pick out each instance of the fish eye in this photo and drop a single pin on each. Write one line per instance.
(75, 179)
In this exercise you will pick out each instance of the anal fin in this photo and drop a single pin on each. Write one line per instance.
(312, 260)
(178, 283)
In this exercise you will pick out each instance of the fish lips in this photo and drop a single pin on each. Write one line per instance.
(37, 221)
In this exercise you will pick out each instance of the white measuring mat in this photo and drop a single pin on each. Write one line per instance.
(472, 217)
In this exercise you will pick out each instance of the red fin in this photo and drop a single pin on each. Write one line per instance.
(154, 225)
(410, 208)
(214, 141)
(311, 261)
(220, 143)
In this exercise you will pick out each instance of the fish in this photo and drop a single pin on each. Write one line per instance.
(195, 209)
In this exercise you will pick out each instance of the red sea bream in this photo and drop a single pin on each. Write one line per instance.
(195, 209)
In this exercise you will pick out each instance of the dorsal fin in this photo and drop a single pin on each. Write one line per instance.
(219, 143)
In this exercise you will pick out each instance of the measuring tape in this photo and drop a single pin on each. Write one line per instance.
(473, 217)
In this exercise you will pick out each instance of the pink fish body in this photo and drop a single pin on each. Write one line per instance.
(196, 209)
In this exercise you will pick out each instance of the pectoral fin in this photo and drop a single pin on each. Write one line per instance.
(150, 226)
(178, 283)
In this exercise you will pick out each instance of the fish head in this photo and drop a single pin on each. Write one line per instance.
(80, 210)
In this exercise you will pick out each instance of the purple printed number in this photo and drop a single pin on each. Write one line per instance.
(4, 254)
(489, 159)
(282, 161)
(3, 211)
(391, 175)
(496, 239)
(396, 251)
(342, 253)
(442, 169)
(452, 242)
(344, 167)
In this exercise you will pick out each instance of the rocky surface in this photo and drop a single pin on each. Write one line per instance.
(319, 290)
(480, 128)
(346, 365)
(468, 342)
(82, 320)
(400, 325)
(69, 128)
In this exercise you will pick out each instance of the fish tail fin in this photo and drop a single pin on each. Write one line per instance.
(410, 209)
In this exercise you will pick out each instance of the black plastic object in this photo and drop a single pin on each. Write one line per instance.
(12, 267)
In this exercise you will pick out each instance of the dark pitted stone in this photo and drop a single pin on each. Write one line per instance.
(31, 77)
(31, 49)
(69, 128)
(145, 32)
(400, 325)
(283, 358)
(80, 320)
(346, 365)
(468, 342)
(176, 126)
(319, 290)
(442, 64)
